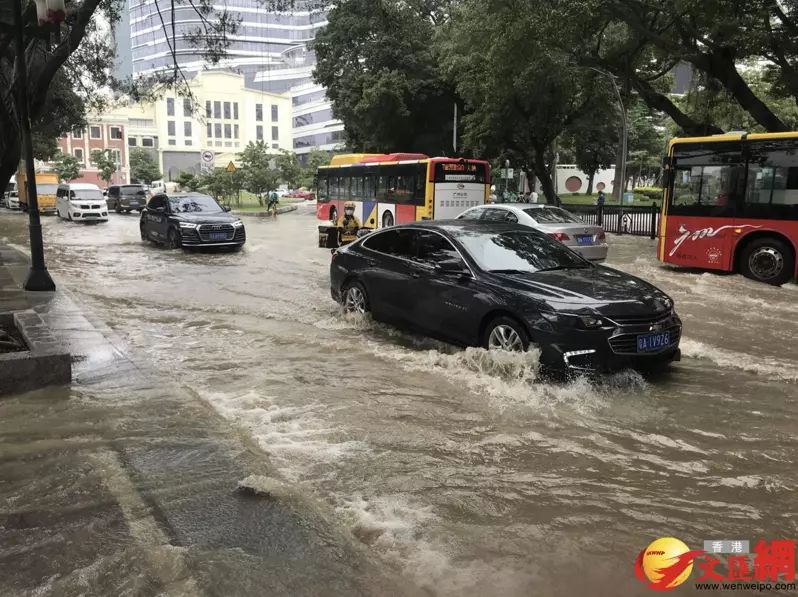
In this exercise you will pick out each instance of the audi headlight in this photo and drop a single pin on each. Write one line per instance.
(238, 224)
(591, 322)
(188, 225)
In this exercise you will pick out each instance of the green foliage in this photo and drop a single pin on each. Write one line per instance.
(104, 161)
(290, 169)
(260, 175)
(66, 166)
(314, 159)
(380, 67)
(63, 112)
(189, 181)
(143, 167)
(215, 183)
(649, 192)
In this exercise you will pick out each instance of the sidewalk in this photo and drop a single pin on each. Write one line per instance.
(126, 484)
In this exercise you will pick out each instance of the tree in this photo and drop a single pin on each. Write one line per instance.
(520, 94)
(67, 167)
(381, 71)
(74, 66)
(103, 160)
(143, 167)
(314, 159)
(189, 181)
(289, 167)
(214, 182)
(260, 175)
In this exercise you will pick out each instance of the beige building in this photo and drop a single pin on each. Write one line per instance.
(223, 118)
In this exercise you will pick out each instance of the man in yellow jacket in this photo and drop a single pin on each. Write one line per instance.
(348, 223)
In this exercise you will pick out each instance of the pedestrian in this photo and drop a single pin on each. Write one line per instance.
(534, 196)
(600, 199)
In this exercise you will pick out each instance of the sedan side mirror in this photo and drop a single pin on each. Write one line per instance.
(160, 210)
(225, 208)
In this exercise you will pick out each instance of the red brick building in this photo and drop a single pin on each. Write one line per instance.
(104, 133)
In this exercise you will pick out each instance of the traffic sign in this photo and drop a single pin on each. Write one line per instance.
(231, 167)
(208, 156)
(508, 173)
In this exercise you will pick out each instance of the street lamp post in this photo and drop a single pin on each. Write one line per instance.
(38, 277)
(624, 140)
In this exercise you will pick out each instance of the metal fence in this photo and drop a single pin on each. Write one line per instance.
(636, 220)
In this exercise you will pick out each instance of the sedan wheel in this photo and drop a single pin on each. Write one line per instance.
(504, 333)
(355, 300)
(173, 239)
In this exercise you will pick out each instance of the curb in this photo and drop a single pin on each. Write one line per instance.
(266, 214)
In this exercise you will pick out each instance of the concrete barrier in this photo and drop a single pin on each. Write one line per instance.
(266, 214)
(44, 363)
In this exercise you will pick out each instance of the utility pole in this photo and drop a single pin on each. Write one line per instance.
(454, 130)
(624, 140)
(38, 277)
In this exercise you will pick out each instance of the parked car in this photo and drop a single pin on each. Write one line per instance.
(190, 220)
(127, 197)
(10, 200)
(80, 201)
(306, 195)
(586, 239)
(505, 286)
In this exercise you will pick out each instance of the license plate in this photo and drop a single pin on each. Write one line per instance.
(218, 236)
(655, 341)
(584, 240)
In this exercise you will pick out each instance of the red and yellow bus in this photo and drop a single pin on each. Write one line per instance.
(731, 204)
(398, 188)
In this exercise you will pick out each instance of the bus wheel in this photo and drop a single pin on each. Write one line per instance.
(333, 215)
(768, 260)
(387, 219)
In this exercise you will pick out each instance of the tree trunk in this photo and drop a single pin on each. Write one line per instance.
(590, 178)
(544, 176)
(617, 184)
(658, 101)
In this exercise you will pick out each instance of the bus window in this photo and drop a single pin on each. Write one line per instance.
(370, 188)
(705, 182)
(403, 189)
(383, 188)
(357, 188)
(772, 187)
(322, 193)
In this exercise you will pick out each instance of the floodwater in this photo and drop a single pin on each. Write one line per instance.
(459, 470)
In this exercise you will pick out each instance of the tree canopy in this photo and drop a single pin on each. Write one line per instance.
(143, 167)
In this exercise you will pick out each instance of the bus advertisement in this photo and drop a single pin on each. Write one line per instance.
(390, 189)
(731, 204)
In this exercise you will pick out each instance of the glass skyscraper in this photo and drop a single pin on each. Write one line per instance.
(270, 49)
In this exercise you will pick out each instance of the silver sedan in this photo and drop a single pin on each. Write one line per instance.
(586, 239)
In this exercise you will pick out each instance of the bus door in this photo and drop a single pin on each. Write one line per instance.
(705, 190)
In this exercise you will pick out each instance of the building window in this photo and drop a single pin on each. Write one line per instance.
(187, 128)
(79, 154)
(259, 112)
(95, 132)
(235, 131)
(132, 142)
(275, 133)
(116, 132)
(172, 142)
(228, 132)
(235, 110)
(275, 146)
(209, 129)
(187, 107)
(259, 132)
(228, 143)
(189, 142)
(217, 130)
(77, 134)
(275, 114)
(217, 109)
(208, 109)
(170, 128)
(116, 156)
(147, 142)
(227, 113)
(170, 106)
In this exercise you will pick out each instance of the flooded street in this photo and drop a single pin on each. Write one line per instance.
(458, 470)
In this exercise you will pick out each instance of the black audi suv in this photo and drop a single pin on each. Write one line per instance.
(190, 220)
(506, 286)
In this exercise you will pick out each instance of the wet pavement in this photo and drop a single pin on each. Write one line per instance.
(384, 453)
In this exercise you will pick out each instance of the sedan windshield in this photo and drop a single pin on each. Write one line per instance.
(518, 251)
(132, 190)
(194, 204)
(551, 215)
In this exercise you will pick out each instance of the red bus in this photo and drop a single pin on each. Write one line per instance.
(731, 204)
(398, 188)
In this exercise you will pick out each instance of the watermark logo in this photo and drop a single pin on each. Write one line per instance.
(723, 564)
(665, 564)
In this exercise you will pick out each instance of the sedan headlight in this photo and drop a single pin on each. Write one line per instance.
(238, 224)
(588, 322)
(188, 225)
(591, 322)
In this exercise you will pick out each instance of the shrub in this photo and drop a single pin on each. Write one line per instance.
(650, 192)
